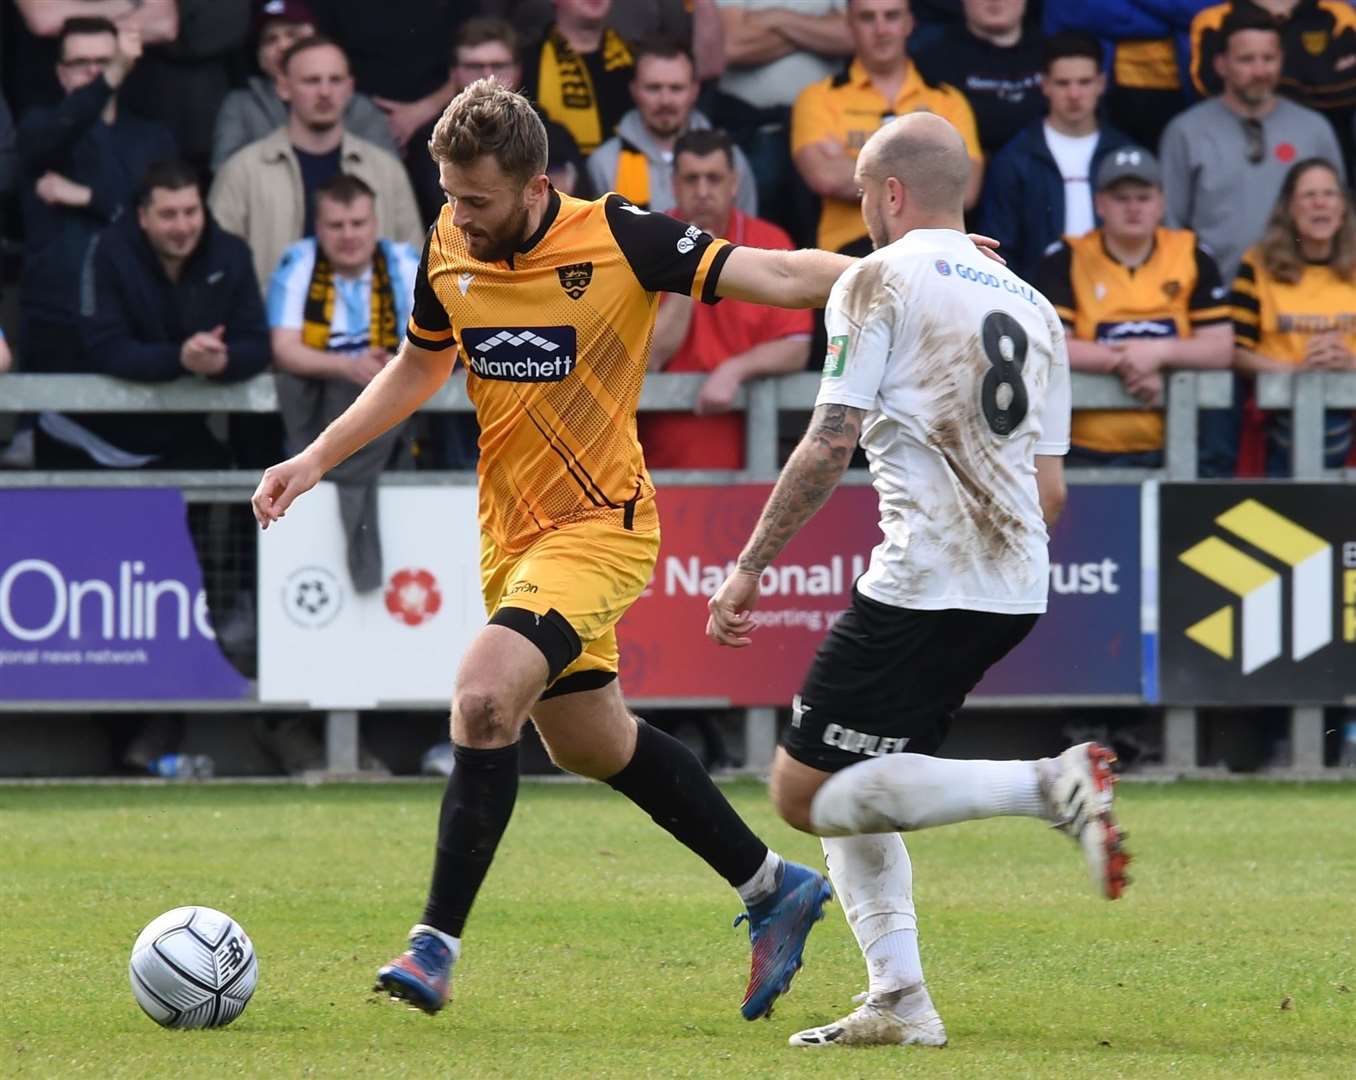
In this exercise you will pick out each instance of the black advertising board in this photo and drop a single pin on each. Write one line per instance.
(1257, 593)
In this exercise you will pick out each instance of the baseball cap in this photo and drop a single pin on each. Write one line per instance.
(1129, 163)
(292, 11)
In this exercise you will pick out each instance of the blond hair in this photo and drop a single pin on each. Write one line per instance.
(1279, 247)
(488, 118)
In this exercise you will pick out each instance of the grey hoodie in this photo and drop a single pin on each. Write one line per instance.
(602, 164)
(256, 110)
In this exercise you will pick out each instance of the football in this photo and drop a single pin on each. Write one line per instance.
(193, 967)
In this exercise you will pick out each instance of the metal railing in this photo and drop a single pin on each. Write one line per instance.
(1305, 394)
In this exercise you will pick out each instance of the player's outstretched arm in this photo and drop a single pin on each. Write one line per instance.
(404, 384)
(788, 279)
(807, 481)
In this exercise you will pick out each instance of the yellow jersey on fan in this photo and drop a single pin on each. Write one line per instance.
(555, 341)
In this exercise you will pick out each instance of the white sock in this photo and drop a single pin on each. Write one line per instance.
(453, 943)
(903, 792)
(873, 880)
(764, 883)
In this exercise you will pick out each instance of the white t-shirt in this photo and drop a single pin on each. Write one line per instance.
(1073, 156)
(780, 81)
(921, 335)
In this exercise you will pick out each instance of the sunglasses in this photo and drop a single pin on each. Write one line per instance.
(1256, 141)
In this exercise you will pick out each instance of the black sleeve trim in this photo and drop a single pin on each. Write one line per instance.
(428, 312)
(551, 633)
(713, 274)
(663, 252)
(1054, 277)
(1209, 291)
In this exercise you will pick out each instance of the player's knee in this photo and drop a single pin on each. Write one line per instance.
(482, 718)
(792, 803)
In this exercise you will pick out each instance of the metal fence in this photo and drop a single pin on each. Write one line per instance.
(1305, 395)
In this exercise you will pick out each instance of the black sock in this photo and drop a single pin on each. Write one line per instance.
(665, 779)
(476, 809)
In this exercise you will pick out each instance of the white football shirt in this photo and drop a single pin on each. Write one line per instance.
(963, 372)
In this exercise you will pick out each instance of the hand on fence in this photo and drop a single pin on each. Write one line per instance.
(205, 353)
(1326, 352)
(718, 392)
(280, 486)
(364, 367)
(731, 619)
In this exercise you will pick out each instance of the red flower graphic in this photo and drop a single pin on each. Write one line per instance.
(413, 597)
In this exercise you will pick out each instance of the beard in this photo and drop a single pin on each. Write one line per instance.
(880, 235)
(499, 245)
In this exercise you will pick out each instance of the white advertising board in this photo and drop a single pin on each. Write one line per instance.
(323, 645)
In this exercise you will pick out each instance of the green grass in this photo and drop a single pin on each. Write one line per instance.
(600, 948)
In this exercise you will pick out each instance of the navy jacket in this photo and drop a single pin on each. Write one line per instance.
(1023, 204)
(1130, 20)
(134, 319)
(70, 138)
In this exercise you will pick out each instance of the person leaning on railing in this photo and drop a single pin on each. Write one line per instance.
(1294, 300)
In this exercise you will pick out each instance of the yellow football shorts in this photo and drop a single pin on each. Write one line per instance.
(566, 594)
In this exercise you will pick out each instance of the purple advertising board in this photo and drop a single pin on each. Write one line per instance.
(101, 599)
(1088, 643)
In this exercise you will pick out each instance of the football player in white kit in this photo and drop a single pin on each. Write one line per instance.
(953, 374)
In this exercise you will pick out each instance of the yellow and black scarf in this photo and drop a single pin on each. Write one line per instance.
(565, 88)
(318, 314)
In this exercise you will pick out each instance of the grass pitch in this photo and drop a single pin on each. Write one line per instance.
(600, 948)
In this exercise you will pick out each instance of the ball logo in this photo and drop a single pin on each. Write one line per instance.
(312, 597)
(413, 597)
(685, 244)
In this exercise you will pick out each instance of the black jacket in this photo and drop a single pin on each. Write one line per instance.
(111, 159)
(134, 320)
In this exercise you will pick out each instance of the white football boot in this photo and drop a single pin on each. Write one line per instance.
(876, 1023)
(1078, 788)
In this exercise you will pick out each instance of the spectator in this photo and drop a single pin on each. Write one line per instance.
(1224, 161)
(832, 119)
(1294, 299)
(6, 358)
(337, 306)
(255, 110)
(182, 83)
(265, 192)
(401, 57)
(774, 49)
(1149, 48)
(696, 23)
(1318, 41)
(637, 162)
(1039, 187)
(80, 163)
(733, 341)
(488, 48)
(580, 72)
(995, 62)
(1137, 300)
(165, 293)
(37, 49)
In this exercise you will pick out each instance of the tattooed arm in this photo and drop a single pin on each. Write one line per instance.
(804, 486)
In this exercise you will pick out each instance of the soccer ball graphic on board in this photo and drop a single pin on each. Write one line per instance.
(193, 967)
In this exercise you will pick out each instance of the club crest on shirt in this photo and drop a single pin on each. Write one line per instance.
(1171, 289)
(1314, 41)
(575, 278)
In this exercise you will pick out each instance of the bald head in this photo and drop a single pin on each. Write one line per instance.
(926, 155)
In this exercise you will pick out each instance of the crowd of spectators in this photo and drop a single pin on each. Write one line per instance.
(140, 138)
(213, 188)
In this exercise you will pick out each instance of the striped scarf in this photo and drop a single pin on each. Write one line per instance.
(565, 88)
(318, 314)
